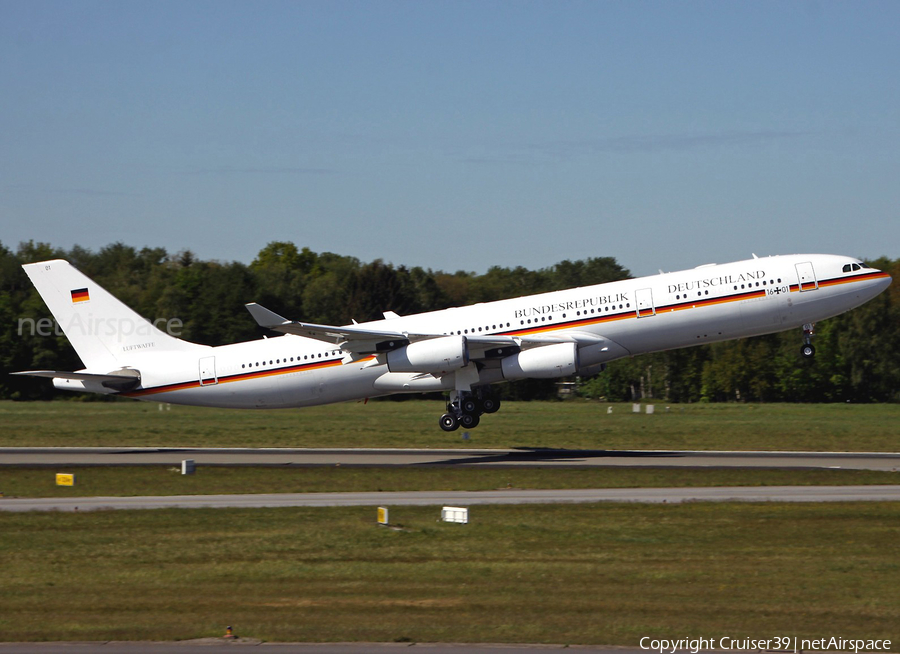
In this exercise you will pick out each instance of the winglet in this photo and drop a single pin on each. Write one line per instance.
(264, 317)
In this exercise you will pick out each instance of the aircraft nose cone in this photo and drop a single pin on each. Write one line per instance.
(881, 282)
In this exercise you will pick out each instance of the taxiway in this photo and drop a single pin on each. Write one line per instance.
(878, 493)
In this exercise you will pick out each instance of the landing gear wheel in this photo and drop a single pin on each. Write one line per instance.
(807, 350)
(469, 406)
(449, 422)
(490, 405)
(469, 420)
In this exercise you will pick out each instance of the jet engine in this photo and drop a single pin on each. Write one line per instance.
(434, 355)
(545, 362)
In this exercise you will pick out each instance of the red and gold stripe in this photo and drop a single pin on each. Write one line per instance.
(837, 281)
(243, 376)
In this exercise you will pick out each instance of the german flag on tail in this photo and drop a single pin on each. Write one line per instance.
(80, 295)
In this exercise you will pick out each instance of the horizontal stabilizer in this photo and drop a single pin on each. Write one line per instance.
(120, 380)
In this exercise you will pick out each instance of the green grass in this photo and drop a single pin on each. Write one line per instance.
(606, 574)
(576, 424)
(157, 480)
(603, 574)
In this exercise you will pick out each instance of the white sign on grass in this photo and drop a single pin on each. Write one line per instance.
(455, 514)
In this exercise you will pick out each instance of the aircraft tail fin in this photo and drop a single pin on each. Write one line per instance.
(105, 332)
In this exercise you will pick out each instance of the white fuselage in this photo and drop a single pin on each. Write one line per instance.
(608, 321)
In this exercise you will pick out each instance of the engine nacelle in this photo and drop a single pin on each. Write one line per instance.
(545, 362)
(434, 355)
(587, 371)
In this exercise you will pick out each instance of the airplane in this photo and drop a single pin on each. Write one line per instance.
(462, 351)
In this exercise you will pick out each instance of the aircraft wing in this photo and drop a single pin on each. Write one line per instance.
(372, 341)
(354, 339)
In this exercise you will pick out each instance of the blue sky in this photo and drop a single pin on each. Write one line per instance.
(454, 135)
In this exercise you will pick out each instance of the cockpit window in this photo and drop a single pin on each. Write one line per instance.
(855, 266)
(846, 267)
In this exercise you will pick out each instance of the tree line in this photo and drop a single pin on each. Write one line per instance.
(858, 353)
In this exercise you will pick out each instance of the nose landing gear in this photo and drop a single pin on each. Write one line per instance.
(465, 409)
(807, 350)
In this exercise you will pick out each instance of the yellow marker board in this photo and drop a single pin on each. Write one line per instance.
(382, 515)
(65, 479)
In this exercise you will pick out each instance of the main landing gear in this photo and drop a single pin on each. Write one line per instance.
(807, 349)
(465, 409)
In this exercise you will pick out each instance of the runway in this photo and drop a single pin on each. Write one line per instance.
(876, 493)
(537, 457)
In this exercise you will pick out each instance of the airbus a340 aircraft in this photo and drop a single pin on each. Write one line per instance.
(462, 350)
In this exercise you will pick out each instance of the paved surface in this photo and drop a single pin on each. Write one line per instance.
(469, 498)
(49, 456)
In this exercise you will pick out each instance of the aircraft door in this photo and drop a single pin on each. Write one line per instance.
(644, 300)
(208, 371)
(807, 276)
